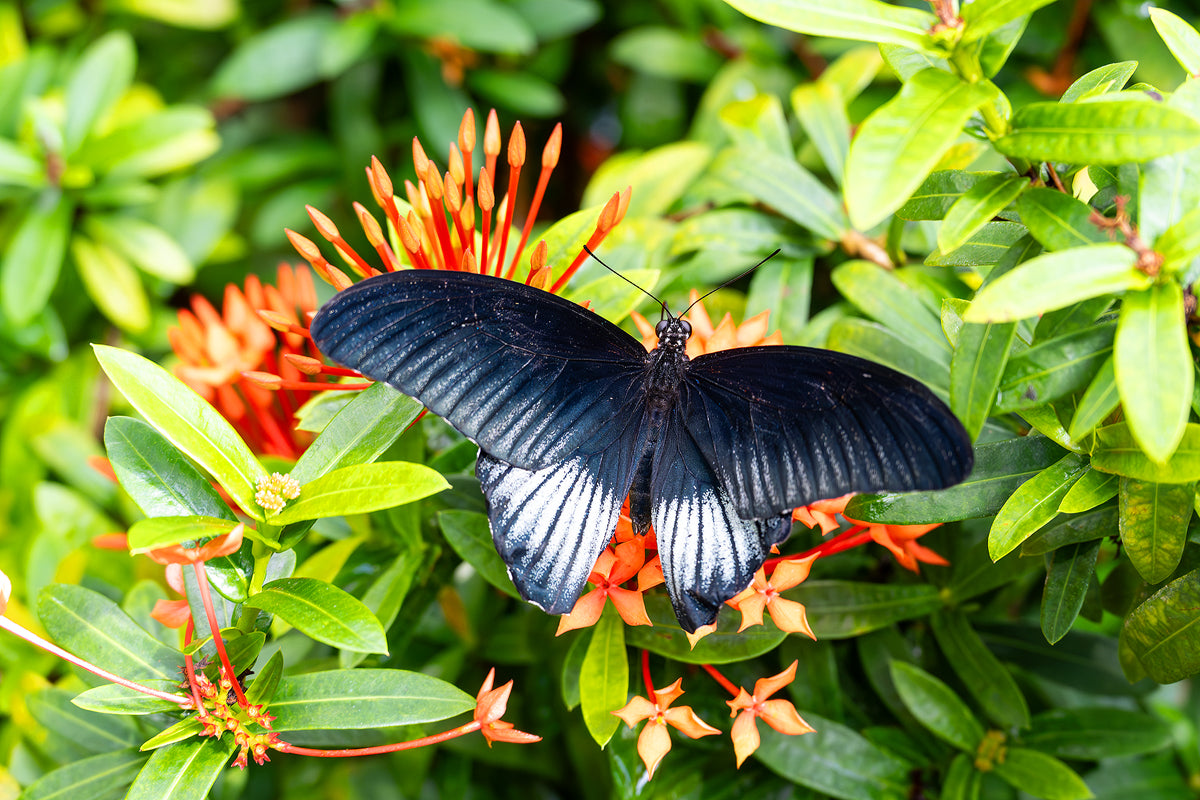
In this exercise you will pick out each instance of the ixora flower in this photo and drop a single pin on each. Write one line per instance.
(900, 540)
(653, 741)
(764, 595)
(708, 339)
(779, 714)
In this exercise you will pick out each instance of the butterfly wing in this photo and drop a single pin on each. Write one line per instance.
(708, 551)
(784, 426)
(530, 377)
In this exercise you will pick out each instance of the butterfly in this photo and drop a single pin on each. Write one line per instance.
(572, 415)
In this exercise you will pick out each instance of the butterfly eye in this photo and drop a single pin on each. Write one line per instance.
(687, 327)
(661, 326)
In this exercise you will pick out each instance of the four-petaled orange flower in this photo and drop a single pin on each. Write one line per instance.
(763, 593)
(779, 714)
(822, 513)
(490, 705)
(215, 547)
(615, 566)
(654, 742)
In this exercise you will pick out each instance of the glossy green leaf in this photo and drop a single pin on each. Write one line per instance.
(489, 27)
(1169, 186)
(34, 255)
(361, 488)
(277, 61)
(1044, 419)
(145, 246)
(324, 612)
(938, 193)
(984, 16)
(1154, 525)
(101, 75)
(1072, 569)
(1056, 280)
(1102, 80)
(1054, 368)
(92, 627)
(782, 286)
(1058, 221)
(387, 593)
(114, 699)
(975, 371)
(985, 249)
(976, 207)
(53, 710)
(1164, 631)
(861, 20)
(936, 706)
(665, 52)
(187, 421)
(148, 534)
(1100, 400)
(1065, 530)
(1154, 368)
(663, 173)
(882, 295)
(1102, 131)
(821, 110)
(112, 283)
(1181, 38)
(725, 645)
(836, 761)
(843, 609)
(1115, 451)
(184, 729)
(604, 678)
(96, 776)
(992, 686)
(1033, 504)
(781, 183)
(883, 345)
(1179, 244)
(184, 771)
(1090, 734)
(469, 533)
(1092, 489)
(351, 699)
(1071, 319)
(897, 146)
(1040, 775)
(1000, 467)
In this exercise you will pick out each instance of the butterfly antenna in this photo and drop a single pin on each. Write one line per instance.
(734, 279)
(666, 311)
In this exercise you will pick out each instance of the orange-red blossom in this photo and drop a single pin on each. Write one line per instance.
(779, 714)
(654, 742)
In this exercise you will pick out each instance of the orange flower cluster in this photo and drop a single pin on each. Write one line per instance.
(709, 339)
(900, 540)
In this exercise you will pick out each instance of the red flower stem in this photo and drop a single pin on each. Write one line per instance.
(510, 198)
(646, 677)
(316, 386)
(215, 630)
(437, 738)
(483, 251)
(726, 684)
(531, 215)
(37, 641)
(858, 535)
(189, 669)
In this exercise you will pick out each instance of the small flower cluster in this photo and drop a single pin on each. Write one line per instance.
(273, 491)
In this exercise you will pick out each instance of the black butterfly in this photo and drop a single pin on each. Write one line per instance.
(571, 415)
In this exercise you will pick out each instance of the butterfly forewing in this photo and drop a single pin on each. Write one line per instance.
(784, 426)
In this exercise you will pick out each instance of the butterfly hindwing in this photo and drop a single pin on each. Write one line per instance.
(530, 377)
(784, 426)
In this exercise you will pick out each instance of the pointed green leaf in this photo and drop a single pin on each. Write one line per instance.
(112, 283)
(187, 421)
(1056, 280)
(781, 183)
(1115, 451)
(975, 371)
(53, 710)
(1033, 505)
(977, 206)
(1181, 38)
(97, 776)
(883, 345)
(1058, 221)
(1040, 775)
(725, 645)
(850, 608)
(1054, 368)
(146, 246)
(1071, 571)
(1070, 529)
(1179, 244)
(1103, 80)
(101, 75)
(112, 698)
(186, 728)
(184, 771)
(604, 678)
(1154, 368)
(1098, 401)
(861, 20)
(1092, 489)
(937, 707)
(1154, 525)
(352, 699)
(1090, 734)
(148, 534)
(940, 190)
(984, 16)
(821, 110)
(324, 612)
(1103, 130)
(34, 255)
(992, 686)
(1169, 186)
(903, 140)
(469, 533)
(883, 296)
(1164, 631)
(361, 488)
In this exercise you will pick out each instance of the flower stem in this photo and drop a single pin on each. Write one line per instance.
(646, 677)
(215, 629)
(437, 738)
(726, 684)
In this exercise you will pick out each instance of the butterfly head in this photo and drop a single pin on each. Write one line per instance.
(673, 333)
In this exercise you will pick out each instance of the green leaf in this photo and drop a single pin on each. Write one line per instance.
(1072, 569)
(882, 345)
(112, 698)
(1181, 38)
(725, 645)
(962, 780)
(34, 255)
(1033, 504)
(821, 110)
(1154, 525)
(1115, 451)
(359, 433)
(843, 609)
(276, 61)
(97, 776)
(986, 249)
(1103, 80)
(112, 283)
(938, 193)
(324, 612)
(976, 207)
(1164, 631)
(665, 52)
(663, 175)
(861, 20)
(903, 140)
(187, 728)
(92, 627)
(350, 699)
(984, 16)
(1100, 400)
(1000, 467)
(475, 24)
(361, 488)
(1058, 221)
(604, 678)
(836, 761)
(184, 771)
(101, 75)
(1103, 130)
(149, 534)
(936, 706)
(146, 246)
(1179, 244)
(470, 535)
(992, 686)
(1154, 368)
(975, 371)
(882, 295)
(1054, 368)
(1092, 489)
(1091, 734)
(1056, 280)
(93, 732)
(781, 183)
(187, 421)
(1040, 775)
